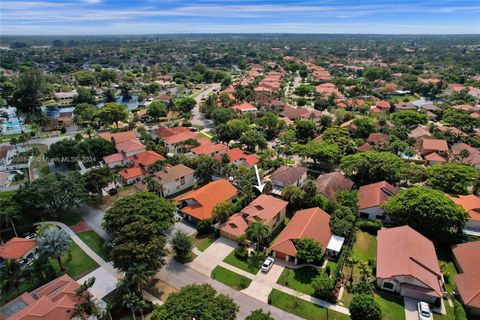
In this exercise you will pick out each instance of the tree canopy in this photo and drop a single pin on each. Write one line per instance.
(452, 177)
(428, 211)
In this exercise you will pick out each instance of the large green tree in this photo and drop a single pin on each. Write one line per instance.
(409, 118)
(259, 315)
(10, 209)
(52, 195)
(452, 177)
(309, 250)
(364, 307)
(319, 151)
(137, 224)
(112, 113)
(305, 130)
(430, 212)
(252, 139)
(199, 302)
(28, 93)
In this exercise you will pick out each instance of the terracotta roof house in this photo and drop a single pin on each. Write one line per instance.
(428, 145)
(287, 176)
(471, 204)
(237, 156)
(198, 204)
(311, 223)
(328, 89)
(210, 149)
(130, 147)
(176, 143)
(19, 249)
(267, 208)
(146, 159)
(372, 196)
(383, 105)
(330, 183)
(419, 132)
(118, 137)
(245, 108)
(365, 147)
(435, 158)
(467, 282)
(133, 174)
(293, 113)
(174, 179)
(55, 300)
(377, 138)
(114, 160)
(164, 132)
(473, 157)
(407, 264)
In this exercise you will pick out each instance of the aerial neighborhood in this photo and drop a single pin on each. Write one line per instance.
(240, 177)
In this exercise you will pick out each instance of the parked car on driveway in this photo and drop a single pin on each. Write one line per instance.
(424, 312)
(267, 265)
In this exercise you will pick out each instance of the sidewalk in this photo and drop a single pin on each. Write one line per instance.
(262, 284)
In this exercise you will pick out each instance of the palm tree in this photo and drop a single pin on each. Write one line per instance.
(12, 273)
(133, 302)
(351, 261)
(53, 243)
(257, 232)
(87, 306)
(137, 277)
(37, 269)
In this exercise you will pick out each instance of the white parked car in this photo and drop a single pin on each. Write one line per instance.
(267, 265)
(424, 312)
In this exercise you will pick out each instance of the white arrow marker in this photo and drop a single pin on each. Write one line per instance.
(260, 185)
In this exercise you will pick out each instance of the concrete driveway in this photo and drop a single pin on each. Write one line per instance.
(212, 256)
(411, 312)
(261, 285)
(105, 282)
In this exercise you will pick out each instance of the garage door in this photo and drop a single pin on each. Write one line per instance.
(417, 295)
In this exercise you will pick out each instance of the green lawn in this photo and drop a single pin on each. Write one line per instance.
(365, 247)
(230, 278)
(299, 279)
(444, 254)
(450, 313)
(203, 243)
(391, 305)
(252, 264)
(76, 262)
(96, 243)
(302, 308)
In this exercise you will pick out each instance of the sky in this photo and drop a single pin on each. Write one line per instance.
(82, 17)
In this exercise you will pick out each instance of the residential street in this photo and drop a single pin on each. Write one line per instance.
(179, 275)
(198, 119)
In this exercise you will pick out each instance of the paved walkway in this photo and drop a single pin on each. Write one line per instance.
(92, 254)
(105, 282)
(410, 305)
(262, 284)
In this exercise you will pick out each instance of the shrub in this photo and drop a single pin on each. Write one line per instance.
(459, 311)
(186, 124)
(369, 226)
(204, 226)
(241, 253)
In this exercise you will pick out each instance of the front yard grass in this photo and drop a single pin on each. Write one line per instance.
(391, 305)
(230, 278)
(77, 262)
(299, 279)
(202, 243)
(302, 308)
(96, 243)
(450, 313)
(252, 264)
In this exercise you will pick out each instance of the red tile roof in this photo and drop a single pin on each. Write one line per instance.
(207, 197)
(129, 145)
(467, 257)
(235, 226)
(164, 132)
(55, 300)
(244, 106)
(116, 157)
(288, 175)
(16, 248)
(373, 195)
(264, 207)
(146, 158)
(131, 173)
(431, 145)
(469, 203)
(309, 223)
(236, 154)
(402, 251)
(208, 149)
(118, 137)
(330, 183)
